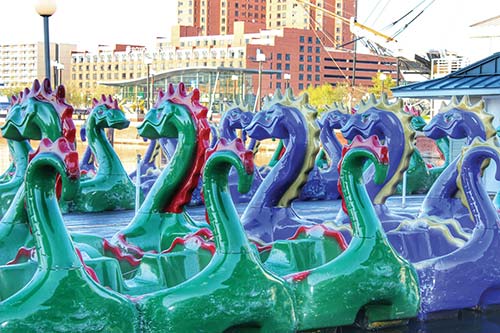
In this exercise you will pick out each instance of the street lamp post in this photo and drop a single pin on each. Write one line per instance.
(260, 58)
(382, 77)
(234, 78)
(46, 8)
(148, 61)
(287, 80)
(58, 68)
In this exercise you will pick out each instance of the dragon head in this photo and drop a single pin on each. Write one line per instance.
(67, 186)
(41, 113)
(107, 113)
(281, 115)
(334, 118)
(417, 120)
(392, 126)
(461, 119)
(376, 117)
(236, 117)
(173, 109)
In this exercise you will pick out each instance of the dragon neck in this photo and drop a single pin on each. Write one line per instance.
(49, 124)
(109, 163)
(477, 200)
(21, 150)
(54, 247)
(443, 145)
(229, 235)
(152, 152)
(228, 132)
(364, 219)
(399, 139)
(332, 146)
(175, 173)
(472, 132)
(275, 189)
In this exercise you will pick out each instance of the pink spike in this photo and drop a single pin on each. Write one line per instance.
(94, 102)
(61, 92)
(182, 89)
(196, 96)
(171, 89)
(36, 86)
(161, 93)
(46, 87)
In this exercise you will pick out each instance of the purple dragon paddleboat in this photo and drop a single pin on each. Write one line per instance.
(457, 120)
(470, 276)
(269, 215)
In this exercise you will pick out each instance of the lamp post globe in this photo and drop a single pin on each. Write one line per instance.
(45, 7)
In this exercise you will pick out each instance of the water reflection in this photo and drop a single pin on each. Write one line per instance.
(465, 321)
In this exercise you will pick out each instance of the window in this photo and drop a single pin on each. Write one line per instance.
(301, 48)
(278, 85)
(318, 59)
(317, 77)
(309, 39)
(309, 77)
(287, 67)
(309, 58)
(309, 49)
(278, 76)
(301, 57)
(316, 68)
(278, 66)
(301, 67)
(278, 56)
(301, 39)
(301, 86)
(309, 68)
(301, 77)
(287, 57)
(318, 49)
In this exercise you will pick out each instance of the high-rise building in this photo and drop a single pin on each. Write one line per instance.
(216, 17)
(21, 63)
(306, 15)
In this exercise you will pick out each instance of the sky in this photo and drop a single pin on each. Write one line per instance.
(88, 23)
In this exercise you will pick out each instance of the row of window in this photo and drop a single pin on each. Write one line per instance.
(309, 40)
(309, 49)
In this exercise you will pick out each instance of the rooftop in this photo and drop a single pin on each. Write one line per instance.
(481, 78)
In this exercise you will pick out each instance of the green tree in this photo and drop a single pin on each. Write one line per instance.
(14, 90)
(382, 83)
(82, 97)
